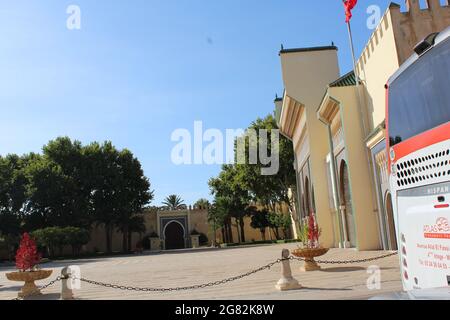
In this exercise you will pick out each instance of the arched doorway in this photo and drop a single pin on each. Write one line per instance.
(390, 222)
(346, 198)
(174, 236)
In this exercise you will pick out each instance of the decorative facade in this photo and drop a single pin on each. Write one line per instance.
(337, 126)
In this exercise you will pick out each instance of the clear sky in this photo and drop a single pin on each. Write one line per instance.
(137, 70)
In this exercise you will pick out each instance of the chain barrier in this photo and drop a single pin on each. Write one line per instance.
(199, 286)
(205, 285)
(51, 283)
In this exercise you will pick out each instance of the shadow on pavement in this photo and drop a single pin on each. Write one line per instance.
(14, 288)
(326, 289)
(349, 269)
(343, 269)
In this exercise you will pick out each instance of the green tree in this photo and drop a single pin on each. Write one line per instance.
(133, 195)
(12, 200)
(270, 190)
(260, 220)
(219, 217)
(233, 196)
(279, 221)
(119, 189)
(174, 202)
(133, 224)
(52, 238)
(76, 238)
(57, 190)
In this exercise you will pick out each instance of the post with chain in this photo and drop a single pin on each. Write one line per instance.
(66, 288)
(287, 281)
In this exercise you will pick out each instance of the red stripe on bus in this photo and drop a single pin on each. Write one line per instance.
(426, 139)
(442, 206)
(437, 235)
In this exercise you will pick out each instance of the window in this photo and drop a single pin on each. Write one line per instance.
(419, 99)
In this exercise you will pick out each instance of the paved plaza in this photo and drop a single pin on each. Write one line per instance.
(186, 268)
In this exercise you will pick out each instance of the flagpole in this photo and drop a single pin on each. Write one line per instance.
(360, 101)
(352, 47)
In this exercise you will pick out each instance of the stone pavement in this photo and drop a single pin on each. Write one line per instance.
(186, 268)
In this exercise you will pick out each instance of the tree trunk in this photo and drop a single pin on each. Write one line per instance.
(108, 238)
(229, 231)
(238, 231)
(263, 234)
(224, 235)
(276, 233)
(130, 237)
(125, 239)
(242, 227)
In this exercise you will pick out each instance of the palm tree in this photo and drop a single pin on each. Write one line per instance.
(202, 204)
(174, 202)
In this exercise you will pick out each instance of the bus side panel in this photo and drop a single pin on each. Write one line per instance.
(425, 242)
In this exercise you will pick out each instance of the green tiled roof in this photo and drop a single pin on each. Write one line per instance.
(308, 49)
(346, 80)
(278, 110)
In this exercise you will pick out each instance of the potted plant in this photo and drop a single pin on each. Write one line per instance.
(310, 248)
(27, 260)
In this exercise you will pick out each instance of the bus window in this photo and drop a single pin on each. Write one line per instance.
(419, 99)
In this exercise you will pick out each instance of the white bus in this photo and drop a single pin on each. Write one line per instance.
(418, 142)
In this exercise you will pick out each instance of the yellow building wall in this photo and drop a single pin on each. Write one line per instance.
(377, 63)
(305, 76)
(361, 185)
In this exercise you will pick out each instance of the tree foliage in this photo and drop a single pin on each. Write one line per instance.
(71, 185)
(174, 202)
(241, 185)
(202, 203)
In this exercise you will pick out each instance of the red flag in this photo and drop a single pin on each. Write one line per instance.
(349, 5)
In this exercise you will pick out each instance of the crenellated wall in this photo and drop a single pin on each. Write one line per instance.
(415, 24)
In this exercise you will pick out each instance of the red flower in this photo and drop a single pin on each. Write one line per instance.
(313, 232)
(27, 256)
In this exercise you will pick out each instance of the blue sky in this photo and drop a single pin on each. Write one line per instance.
(137, 70)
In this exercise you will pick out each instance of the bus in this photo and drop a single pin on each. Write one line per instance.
(418, 144)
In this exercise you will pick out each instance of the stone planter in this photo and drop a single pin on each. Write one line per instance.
(195, 241)
(155, 244)
(309, 254)
(29, 277)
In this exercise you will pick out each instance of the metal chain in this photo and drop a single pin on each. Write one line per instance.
(41, 288)
(199, 286)
(205, 285)
(348, 261)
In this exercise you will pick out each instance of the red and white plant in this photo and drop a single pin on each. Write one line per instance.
(27, 256)
(310, 232)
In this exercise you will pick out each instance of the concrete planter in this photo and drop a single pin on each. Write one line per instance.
(155, 244)
(195, 241)
(29, 277)
(309, 254)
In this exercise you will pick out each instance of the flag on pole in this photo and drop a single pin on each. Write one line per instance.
(349, 5)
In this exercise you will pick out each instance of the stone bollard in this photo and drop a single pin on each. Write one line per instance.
(66, 288)
(287, 281)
